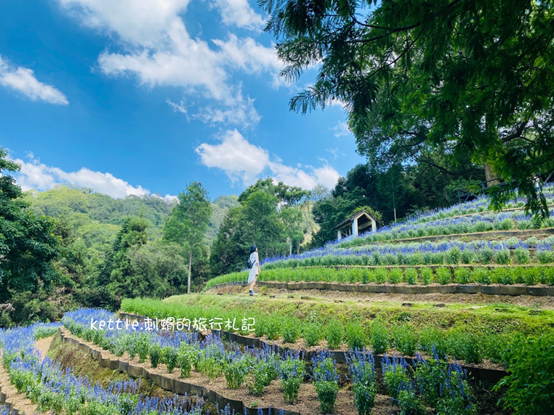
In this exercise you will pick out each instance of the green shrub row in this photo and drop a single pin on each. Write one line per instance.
(471, 341)
(417, 254)
(530, 275)
(422, 230)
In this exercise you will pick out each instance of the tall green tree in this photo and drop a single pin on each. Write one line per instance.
(293, 221)
(117, 279)
(229, 250)
(27, 246)
(188, 222)
(262, 221)
(469, 78)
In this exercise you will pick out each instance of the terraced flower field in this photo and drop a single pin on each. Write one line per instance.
(450, 313)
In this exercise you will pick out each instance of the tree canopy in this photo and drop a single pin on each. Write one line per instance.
(188, 223)
(472, 79)
(27, 245)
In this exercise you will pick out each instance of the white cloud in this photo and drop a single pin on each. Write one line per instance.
(24, 81)
(157, 48)
(341, 129)
(239, 13)
(236, 156)
(242, 113)
(38, 176)
(246, 162)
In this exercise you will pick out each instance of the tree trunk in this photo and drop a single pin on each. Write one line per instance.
(290, 246)
(490, 176)
(190, 270)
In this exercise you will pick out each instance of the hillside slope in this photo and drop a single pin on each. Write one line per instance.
(96, 218)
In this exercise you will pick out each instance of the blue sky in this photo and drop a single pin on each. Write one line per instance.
(145, 96)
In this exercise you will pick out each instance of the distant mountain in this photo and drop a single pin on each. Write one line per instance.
(96, 218)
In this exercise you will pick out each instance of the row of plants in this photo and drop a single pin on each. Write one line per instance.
(479, 208)
(257, 368)
(529, 275)
(505, 221)
(57, 390)
(483, 335)
(426, 253)
(478, 205)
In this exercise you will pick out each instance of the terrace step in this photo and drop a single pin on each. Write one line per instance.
(513, 290)
(478, 373)
(169, 383)
(487, 235)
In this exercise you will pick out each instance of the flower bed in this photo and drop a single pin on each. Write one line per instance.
(258, 367)
(483, 333)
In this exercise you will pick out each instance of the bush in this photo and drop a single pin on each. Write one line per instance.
(462, 275)
(405, 340)
(291, 331)
(505, 225)
(530, 384)
(502, 276)
(155, 352)
(522, 256)
(481, 276)
(325, 381)
(468, 256)
(291, 372)
(395, 374)
(272, 328)
(410, 403)
(235, 371)
(379, 337)
(381, 275)
(313, 334)
(335, 334)
(362, 372)
(463, 345)
(260, 377)
(453, 255)
(431, 338)
(410, 274)
(437, 258)
(426, 276)
(395, 276)
(355, 337)
(502, 257)
(486, 255)
(169, 357)
(544, 256)
(444, 276)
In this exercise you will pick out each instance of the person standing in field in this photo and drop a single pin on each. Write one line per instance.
(254, 269)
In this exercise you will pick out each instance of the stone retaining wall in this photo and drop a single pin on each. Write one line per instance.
(514, 290)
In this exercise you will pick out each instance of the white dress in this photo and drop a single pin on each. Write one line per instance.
(254, 270)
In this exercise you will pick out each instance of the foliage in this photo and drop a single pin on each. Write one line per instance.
(325, 380)
(117, 279)
(334, 335)
(405, 339)
(27, 246)
(379, 337)
(401, 67)
(361, 366)
(355, 337)
(291, 373)
(313, 333)
(188, 223)
(529, 383)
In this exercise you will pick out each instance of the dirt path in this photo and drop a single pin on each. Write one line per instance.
(43, 346)
(19, 400)
(475, 299)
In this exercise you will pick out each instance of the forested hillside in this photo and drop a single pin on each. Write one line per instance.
(96, 218)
